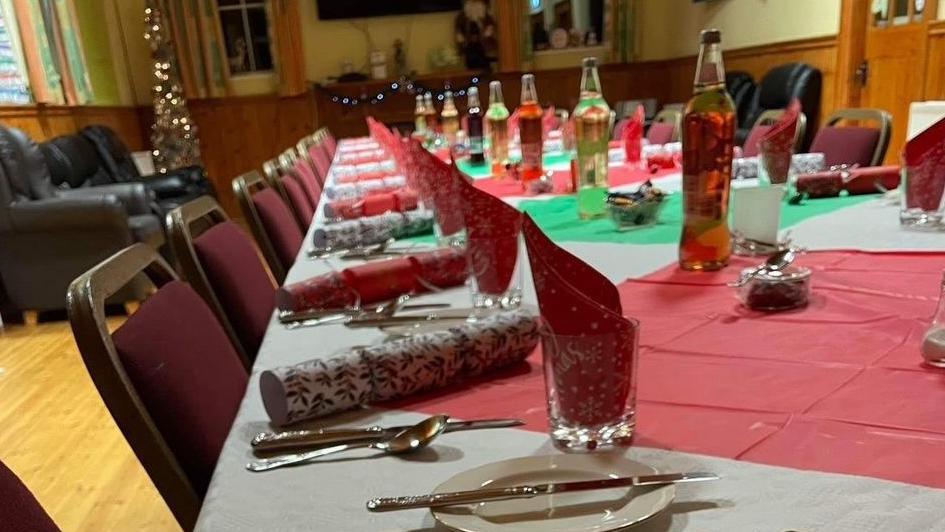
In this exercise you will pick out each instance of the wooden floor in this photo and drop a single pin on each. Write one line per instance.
(57, 435)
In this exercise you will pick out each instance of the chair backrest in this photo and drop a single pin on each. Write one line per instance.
(783, 84)
(306, 175)
(19, 509)
(305, 147)
(329, 141)
(321, 160)
(114, 153)
(857, 144)
(666, 127)
(620, 128)
(298, 200)
(275, 177)
(224, 266)
(763, 125)
(169, 375)
(27, 175)
(74, 161)
(741, 86)
(273, 226)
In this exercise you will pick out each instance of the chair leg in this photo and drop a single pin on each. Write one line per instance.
(30, 318)
(131, 307)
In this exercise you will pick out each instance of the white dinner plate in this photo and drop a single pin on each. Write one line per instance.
(586, 511)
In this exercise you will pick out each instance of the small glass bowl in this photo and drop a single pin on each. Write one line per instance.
(773, 291)
(631, 215)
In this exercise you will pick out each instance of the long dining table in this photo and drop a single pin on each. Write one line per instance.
(822, 419)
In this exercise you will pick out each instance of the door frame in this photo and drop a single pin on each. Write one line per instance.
(851, 46)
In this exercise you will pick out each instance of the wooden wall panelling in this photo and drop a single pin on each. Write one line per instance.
(935, 66)
(43, 122)
(238, 134)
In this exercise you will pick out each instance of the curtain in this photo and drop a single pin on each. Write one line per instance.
(285, 34)
(78, 84)
(198, 40)
(620, 29)
(14, 84)
(41, 60)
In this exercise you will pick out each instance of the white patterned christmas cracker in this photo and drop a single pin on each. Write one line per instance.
(362, 188)
(801, 163)
(398, 368)
(372, 230)
(344, 170)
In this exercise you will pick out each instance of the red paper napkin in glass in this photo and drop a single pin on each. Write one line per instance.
(633, 135)
(591, 349)
(492, 237)
(437, 182)
(777, 145)
(924, 156)
(585, 279)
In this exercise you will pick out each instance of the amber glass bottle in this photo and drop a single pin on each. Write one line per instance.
(449, 118)
(708, 141)
(420, 116)
(531, 136)
(430, 110)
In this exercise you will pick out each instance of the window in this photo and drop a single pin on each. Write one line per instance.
(246, 33)
(562, 24)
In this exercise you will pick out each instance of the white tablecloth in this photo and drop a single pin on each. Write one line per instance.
(752, 497)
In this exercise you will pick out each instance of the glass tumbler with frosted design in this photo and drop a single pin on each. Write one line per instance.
(590, 381)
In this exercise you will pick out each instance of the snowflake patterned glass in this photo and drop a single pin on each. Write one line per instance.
(923, 196)
(590, 382)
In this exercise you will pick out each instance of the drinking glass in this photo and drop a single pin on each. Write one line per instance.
(496, 270)
(590, 381)
(923, 199)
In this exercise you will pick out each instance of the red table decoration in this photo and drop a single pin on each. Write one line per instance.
(924, 156)
(777, 146)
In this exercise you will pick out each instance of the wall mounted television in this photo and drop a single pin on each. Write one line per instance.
(342, 9)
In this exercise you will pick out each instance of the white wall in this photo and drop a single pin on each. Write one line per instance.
(670, 28)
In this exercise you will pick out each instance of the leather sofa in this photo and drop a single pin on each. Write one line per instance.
(98, 157)
(49, 236)
(776, 90)
(741, 87)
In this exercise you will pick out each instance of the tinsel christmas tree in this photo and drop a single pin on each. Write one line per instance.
(174, 134)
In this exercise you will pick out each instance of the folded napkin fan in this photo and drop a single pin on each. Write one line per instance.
(633, 135)
(396, 369)
(924, 156)
(871, 180)
(373, 205)
(777, 145)
(376, 281)
(492, 237)
(588, 346)
(361, 189)
(372, 230)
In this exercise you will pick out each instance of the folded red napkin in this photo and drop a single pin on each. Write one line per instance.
(549, 122)
(870, 180)
(436, 183)
(589, 348)
(376, 281)
(777, 146)
(633, 135)
(924, 156)
(492, 238)
(396, 369)
(661, 160)
(372, 205)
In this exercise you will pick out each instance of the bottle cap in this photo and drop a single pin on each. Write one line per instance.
(589, 62)
(472, 91)
(710, 36)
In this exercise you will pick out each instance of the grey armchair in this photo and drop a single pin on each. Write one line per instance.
(50, 236)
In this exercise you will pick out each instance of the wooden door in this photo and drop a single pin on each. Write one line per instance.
(893, 71)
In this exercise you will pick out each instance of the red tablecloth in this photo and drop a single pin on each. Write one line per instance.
(838, 386)
(617, 175)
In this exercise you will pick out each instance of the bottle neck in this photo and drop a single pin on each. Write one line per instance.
(473, 101)
(590, 83)
(710, 72)
(529, 94)
(495, 96)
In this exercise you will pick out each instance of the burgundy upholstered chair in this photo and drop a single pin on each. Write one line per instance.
(620, 128)
(665, 128)
(274, 227)
(854, 144)
(764, 124)
(169, 375)
(330, 144)
(310, 183)
(223, 265)
(19, 509)
(298, 199)
(321, 160)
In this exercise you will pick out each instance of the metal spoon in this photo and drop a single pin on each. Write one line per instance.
(405, 441)
(774, 263)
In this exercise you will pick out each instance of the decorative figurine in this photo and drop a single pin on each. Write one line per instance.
(475, 35)
(400, 59)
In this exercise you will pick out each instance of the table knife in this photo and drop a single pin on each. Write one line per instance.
(458, 315)
(436, 500)
(296, 439)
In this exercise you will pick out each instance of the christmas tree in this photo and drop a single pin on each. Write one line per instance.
(174, 134)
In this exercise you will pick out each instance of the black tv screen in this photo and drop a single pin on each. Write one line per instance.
(340, 9)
